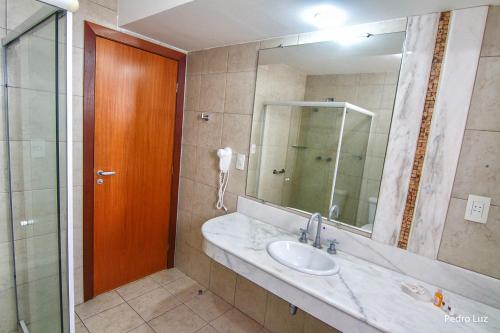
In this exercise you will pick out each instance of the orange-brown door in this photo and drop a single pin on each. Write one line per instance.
(135, 99)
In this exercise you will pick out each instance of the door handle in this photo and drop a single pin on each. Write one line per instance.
(105, 173)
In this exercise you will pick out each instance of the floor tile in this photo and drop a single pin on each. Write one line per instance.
(184, 288)
(178, 320)
(80, 328)
(167, 276)
(137, 288)
(208, 305)
(98, 304)
(121, 318)
(207, 329)
(143, 329)
(234, 321)
(154, 303)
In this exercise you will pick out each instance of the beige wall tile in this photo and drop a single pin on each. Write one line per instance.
(204, 201)
(193, 85)
(208, 305)
(237, 181)
(215, 60)
(210, 132)
(167, 275)
(478, 170)
(250, 299)
(190, 128)
(278, 318)
(471, 245)
(212, 94)
(183, 232)
(236, 132)
(182, 254)
(240, 89)
(234, 321)
(200, 267)
(223, 282)
(243, 57)
(195, 62)
(483, 112)
(491, 40)
(188, 161)
(89, 10)
(313, 325)
(195, 239)
(186, 194)
(207, 166)
(184, 288)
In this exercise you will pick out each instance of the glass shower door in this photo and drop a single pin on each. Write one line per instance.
(35, 114)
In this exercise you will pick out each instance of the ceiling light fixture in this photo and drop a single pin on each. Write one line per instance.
(325, 16)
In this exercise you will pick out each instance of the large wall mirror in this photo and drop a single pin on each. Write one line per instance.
(322, 115)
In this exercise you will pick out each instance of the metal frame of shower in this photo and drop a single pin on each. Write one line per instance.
(29, 24)
(344, 106)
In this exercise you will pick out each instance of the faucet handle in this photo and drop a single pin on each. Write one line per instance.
(332, 249)
(303, 235)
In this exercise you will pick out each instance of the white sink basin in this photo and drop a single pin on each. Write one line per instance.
(303, 258)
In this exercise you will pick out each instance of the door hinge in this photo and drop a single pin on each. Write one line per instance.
(176, 87)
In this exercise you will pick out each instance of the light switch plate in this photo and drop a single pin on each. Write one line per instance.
(477, 208)
(240, 161)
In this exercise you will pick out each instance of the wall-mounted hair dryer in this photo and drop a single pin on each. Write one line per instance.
(225, 156)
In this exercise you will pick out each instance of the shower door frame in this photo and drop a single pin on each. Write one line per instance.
(45, 13)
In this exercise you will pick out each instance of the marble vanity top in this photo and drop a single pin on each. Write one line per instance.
(363, 290)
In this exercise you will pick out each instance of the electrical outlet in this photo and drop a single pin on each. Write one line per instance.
(477, 208)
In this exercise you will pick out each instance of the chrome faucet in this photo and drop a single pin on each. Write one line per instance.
(334, 211)
(317, 240)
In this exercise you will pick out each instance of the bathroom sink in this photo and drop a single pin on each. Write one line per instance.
(303, 258)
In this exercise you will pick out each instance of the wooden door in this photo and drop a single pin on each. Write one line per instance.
(135, 103)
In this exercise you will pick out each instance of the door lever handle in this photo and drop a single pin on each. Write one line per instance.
(105, 173)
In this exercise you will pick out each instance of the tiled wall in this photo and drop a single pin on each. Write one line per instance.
(221, 82)
(467, 244)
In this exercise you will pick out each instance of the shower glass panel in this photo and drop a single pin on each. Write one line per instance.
(311, 160)
(35, 109)
(351, 175)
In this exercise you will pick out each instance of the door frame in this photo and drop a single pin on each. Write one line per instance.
(92, 31)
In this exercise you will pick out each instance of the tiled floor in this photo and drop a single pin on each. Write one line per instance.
(165, 302)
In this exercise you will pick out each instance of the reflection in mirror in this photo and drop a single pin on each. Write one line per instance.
(321, 122)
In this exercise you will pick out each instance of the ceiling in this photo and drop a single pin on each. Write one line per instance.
(377, 54)
(199, 24)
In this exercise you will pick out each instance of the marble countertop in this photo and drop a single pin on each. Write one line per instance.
(363, 290)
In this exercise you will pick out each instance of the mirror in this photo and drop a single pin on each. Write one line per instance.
(322, 115)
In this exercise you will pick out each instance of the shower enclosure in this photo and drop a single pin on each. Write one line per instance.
(323, 146)
(36, 114)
